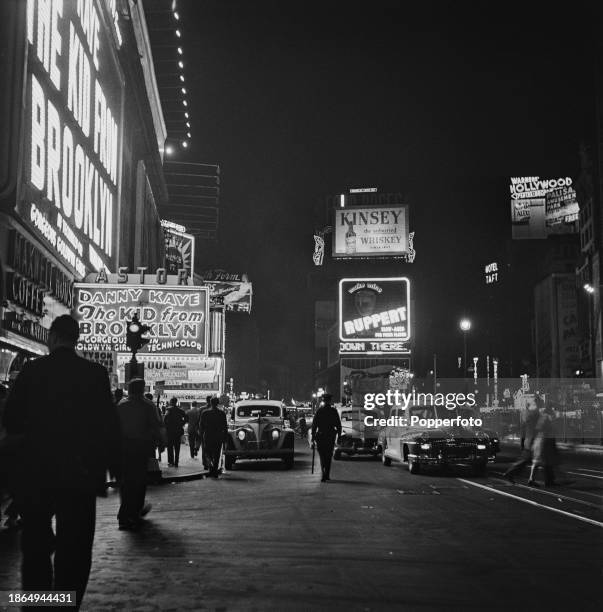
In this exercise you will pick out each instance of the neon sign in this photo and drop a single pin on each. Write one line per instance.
(73, 133)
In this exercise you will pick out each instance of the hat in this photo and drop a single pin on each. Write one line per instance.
(136, 386)
(327, 397)
(214, 402)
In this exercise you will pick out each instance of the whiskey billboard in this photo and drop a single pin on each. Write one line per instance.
(372, 231)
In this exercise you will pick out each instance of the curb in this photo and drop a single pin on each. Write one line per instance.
(577, 449)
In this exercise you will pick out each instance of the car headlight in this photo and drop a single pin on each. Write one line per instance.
(481, 447)
(241, 434)
(425, 446)
(275, 434)
(494, 439)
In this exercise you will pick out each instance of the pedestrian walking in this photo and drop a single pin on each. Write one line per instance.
(203, 453)
(525, 456)
(214, 430)
(193, 417)
(544, 451)
(174, 421)
(326, 427)
(62, 407)
(140, 433)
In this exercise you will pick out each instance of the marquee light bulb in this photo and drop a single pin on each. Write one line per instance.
(176, 16)
(185, 144)
(182, 76)
(183, 90)
(178, 34)
(180, 64)
(180, 50)
(184, 102)
(186, 115)
(188, 134)
(188, 124)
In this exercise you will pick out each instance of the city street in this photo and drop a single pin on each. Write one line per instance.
(373, 538)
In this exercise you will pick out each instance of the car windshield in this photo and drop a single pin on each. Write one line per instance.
(257, 410)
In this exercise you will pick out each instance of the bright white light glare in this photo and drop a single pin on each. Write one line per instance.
(178, 33)
(184, 102)
(180, 50)
(185, 143)
(465, 324)
(186, 115)
(169, 150)
(188, 124)
(184, 90)
(589, 288)
(176, 16)
(182, 76)
(342, 200)
(188, 134)
(180, 64)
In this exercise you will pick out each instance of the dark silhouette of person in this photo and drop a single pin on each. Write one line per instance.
(118, 395)
(141, 432)
(214, 429)
(326, 427)
(193, 416)
(174, 421)
(203, 455)
(62, 407)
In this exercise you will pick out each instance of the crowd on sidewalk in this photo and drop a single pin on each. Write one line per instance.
(62, 431)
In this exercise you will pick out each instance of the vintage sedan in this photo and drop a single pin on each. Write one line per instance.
(258, 430)
(409, 440)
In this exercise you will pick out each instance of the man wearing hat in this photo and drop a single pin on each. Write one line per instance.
(214, 429)
(141, 432)
(326, 426)
(62, 409)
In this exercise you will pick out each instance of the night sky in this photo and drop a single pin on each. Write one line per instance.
(300, 100)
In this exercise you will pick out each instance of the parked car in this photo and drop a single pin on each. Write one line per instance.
(258, 429)
(423, 447)
(356, 438)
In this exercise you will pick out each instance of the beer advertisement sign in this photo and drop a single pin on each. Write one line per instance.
(373, 231)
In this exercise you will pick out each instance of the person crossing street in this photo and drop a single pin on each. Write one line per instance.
(326, 427)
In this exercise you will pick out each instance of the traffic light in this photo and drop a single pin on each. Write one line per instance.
(134, 331)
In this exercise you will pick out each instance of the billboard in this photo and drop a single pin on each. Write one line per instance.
(179, 249)
(173, 370)
(234, 291)
(541, 207)
(372, 231)
(69, 196)
(177, 316)
(374, 314)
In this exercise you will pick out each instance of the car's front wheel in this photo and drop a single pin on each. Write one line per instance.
(413, 466)
(337, 455)
(229, 462)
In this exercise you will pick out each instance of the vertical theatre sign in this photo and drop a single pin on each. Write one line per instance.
(179, 248)
(72, 133)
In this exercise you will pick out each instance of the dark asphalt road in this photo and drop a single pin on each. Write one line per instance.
(374, 538)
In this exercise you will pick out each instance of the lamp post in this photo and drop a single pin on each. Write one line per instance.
(590, 289)
(465, 325)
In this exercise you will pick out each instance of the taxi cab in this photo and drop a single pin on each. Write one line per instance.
(412, 441)
(259, 429)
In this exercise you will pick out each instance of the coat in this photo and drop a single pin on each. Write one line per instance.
(174, 422)
(61, 406)
(544, 450)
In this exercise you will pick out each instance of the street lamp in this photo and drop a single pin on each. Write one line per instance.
(465, 325)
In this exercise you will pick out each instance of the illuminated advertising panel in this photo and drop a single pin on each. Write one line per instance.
(232, 290)
(177, 316)
(541, 207)
(179, 250)
(374, 315)
(174, 370)
(72, 133)
(375, 231)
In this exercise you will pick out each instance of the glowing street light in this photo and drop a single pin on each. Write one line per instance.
(465, 325)
(185, 144)
(169, 150)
